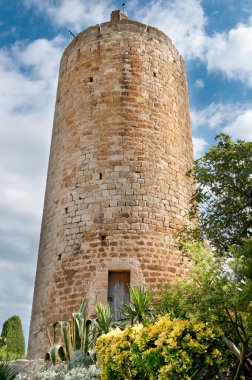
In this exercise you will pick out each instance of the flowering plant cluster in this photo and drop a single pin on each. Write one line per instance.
(61, 372)
(167, 349)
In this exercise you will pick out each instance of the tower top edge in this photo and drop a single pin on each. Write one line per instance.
(117, 16)
(119, 22)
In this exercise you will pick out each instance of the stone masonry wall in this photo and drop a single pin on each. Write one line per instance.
(116, 188)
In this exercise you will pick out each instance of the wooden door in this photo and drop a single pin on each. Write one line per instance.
(118, 291)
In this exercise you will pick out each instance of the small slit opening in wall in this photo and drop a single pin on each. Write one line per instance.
(59, 257)
(155, 75)
(100, 175)
(91, 79)
(103, 236)
(66, 210)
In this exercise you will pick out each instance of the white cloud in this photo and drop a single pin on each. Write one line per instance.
(74, 14)
(41, 56)
(183, 21)
(215, 115)
(199, 83)
(233, 118)
(27, 93)
(241, 128)
(28, 75)
(231, 53)
(199, 146)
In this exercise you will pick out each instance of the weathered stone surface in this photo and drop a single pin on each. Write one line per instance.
(116, 188)
(20, 365)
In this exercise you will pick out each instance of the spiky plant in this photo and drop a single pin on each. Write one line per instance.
(103, 321)
(76, 336)
(139, 307)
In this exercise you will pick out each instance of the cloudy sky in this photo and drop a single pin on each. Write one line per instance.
(215, 39)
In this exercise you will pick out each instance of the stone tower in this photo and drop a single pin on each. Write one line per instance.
(116, 187)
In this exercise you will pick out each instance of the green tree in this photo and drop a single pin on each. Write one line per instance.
(216, 293)
(12, 333)
(224, 193)
(219, 285)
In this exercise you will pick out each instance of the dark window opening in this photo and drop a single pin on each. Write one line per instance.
(91, 79)
(66, 210)
(103, 237)
(59, 257)
(155, 75)
(100, 175)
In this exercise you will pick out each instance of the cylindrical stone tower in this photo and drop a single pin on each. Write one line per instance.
(117, 188)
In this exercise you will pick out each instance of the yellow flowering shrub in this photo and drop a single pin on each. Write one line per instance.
(114, 353)
(167, 349)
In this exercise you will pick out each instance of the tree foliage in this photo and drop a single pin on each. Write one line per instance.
(12, 334)
(224, 193)
(218, 293)
(218, 289)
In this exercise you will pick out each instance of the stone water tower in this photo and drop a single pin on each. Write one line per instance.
(116, 187)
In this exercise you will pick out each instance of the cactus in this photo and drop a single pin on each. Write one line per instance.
(76, 336)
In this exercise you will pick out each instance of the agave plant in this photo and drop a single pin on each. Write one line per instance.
(75, 336)
(6, 373)
(103, 321)
(139, 307)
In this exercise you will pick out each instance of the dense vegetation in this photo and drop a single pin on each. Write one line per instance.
(12, 339)
(224, 193)
(166, 349)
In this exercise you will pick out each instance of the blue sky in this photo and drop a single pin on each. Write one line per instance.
(215, 39)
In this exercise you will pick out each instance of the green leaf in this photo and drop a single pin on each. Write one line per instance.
(139, 306)
(57, 351)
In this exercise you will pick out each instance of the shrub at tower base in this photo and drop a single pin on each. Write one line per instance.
(167, 349)
(12, 334)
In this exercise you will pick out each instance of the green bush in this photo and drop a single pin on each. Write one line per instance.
(12, 333)
(3, 349)
(80, 359)
(167, 349)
